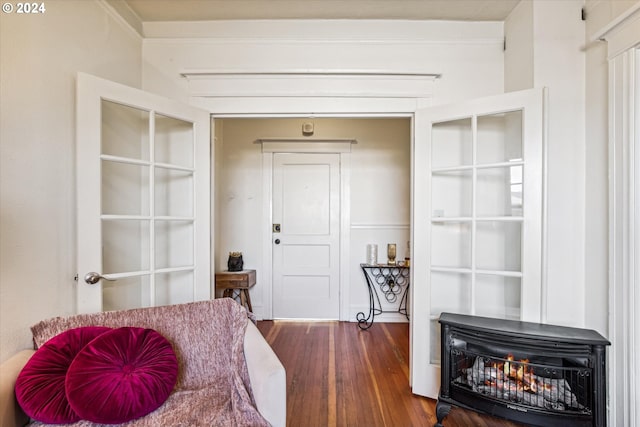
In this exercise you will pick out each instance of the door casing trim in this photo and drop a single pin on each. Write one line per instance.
(341, 147)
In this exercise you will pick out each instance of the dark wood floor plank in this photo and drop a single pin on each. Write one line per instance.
(340, 376)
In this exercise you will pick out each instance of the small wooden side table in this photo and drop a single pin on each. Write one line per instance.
(241, 281)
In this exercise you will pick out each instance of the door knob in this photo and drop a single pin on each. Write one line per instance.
(277, 242)
(92, 278)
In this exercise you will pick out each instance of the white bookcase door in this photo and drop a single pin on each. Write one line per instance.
(143, 197)
(477, 215)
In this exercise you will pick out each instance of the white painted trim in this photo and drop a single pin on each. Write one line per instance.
(634, 256)
(423, 375)
(624, 239)
(270, 106)
(357, 226)
(371, 31)
(301, 83)
(345, 234)
(213, 200)
(544, 274)
(267, 246)
(612, 383)
(308, 140)
(333, 115)
(623, 33)
(123, 15)
(297, 145)
(211, 72)
(634, 301)
(377, 41)
(618, 22)
(302, 147)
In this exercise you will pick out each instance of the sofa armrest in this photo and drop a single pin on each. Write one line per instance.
(267, 376)
(10, 413)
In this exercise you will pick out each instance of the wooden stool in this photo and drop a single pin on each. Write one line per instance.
(230, 281)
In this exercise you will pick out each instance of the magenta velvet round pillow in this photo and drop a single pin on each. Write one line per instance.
(121, 375)
(40, 386)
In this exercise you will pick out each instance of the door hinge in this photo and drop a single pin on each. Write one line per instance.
(75, 278)
(504, 44)
(583, 14)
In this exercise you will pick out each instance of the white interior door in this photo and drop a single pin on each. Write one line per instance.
(143, 198)
(477, 218)
(306, 209)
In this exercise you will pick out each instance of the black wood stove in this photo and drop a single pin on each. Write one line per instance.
(535, 374)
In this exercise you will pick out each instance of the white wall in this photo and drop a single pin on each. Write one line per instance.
(39, 58)
(596, 156)
(380, 184)
(558, 62)
(519, 43)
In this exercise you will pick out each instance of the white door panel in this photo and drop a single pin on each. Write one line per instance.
(477, 218)
(303, 288)
(143, 198)
(307, 256)
(306, 199)
(306, 204)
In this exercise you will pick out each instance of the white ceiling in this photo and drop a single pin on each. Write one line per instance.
(206, 10)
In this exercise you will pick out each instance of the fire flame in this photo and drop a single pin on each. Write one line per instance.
(520, 373)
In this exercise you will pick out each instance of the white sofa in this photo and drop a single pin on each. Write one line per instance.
(266, 374)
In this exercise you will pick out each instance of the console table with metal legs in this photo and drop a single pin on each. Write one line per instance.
(390, 281)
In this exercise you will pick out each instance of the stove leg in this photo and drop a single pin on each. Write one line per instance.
(442, 410)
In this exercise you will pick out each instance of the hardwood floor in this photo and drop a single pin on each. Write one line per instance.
(338, 375)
